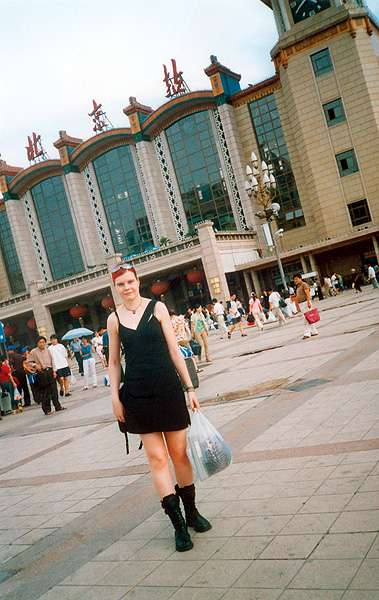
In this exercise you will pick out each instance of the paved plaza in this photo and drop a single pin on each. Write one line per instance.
(295, 517)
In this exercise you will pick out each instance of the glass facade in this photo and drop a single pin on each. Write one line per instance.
(273, 149)
(57, 228)
(9, 254)
(198, 170)
(123, 202)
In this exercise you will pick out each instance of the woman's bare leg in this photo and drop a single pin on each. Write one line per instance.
(177, 448)
(156, 452)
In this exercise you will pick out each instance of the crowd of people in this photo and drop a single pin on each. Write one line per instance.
(43, 374)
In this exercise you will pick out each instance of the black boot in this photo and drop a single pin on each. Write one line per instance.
(171, 506)
(193, 517)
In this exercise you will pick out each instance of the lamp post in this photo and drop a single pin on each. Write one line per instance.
(261, 185)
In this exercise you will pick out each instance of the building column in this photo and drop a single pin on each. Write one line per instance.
(5, 290)
(376, 247)
(42, 315)
(111, 261)
(23, 241)
(151, 176)
(256, 282)
(212, 262)
(83, 220)
(313, 262)
(304, 265)
(247, 278)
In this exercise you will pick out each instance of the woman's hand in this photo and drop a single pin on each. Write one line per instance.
(309, 304)
(118, 410)
(194, 403)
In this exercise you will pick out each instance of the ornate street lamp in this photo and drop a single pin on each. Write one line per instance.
(261, 185)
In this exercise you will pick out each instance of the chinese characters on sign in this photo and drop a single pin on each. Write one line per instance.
(175, 83)
(99, 118)
(34, 150)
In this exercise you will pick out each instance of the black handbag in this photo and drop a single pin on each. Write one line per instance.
(250, 319)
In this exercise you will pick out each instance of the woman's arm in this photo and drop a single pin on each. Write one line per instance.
(114, 366)
(176, 357)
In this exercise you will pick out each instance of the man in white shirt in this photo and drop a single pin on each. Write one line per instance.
(59, 358)
(372, 277)
(219, 312)
(234, 317)
(274, 300)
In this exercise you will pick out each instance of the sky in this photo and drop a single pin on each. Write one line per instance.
(57, 55)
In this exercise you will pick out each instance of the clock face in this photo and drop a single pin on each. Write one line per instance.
(302, 9)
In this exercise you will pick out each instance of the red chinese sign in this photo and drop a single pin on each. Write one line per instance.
(175, 83)
(99, 117)
(34, 149)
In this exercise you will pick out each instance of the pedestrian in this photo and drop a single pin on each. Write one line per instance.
(372, 277)
(181, 329)
(46, 385)
(151, 401)
(275, 301)
(8, 383)
(329, 291)
(89, 363)
(75, 347)
(105, 338)
(219, 312)
(97, 343)
(199, 330)
(234, 316)
(358, 282)
(256, 310)
(30, 369)
(60, 365)
(303, 295)
(16, 362)
(335, 284)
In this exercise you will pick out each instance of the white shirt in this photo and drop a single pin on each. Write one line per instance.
(371, 272)
(218, 309)
(274, 298)
(233, 309)
(58, 356)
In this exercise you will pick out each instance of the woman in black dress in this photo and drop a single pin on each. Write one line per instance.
(151, 402)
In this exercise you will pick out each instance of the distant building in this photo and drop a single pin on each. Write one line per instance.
(151, 191)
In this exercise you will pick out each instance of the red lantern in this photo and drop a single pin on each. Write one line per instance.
(195, 276)
(78, 311)
(107, 302)
(31, 324)
(9, 330)
(160, 287)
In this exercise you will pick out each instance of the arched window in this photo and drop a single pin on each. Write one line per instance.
(9, 254)
(198, 170)
(123, 202)
(57, 228)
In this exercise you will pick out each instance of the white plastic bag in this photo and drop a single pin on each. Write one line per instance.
(17, 396)
(207, 450)
(73, 379)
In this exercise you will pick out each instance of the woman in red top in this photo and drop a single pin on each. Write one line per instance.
(6, 380)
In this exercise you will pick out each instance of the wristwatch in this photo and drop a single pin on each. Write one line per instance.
(189, 388)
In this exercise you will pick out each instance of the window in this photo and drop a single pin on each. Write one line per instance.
(273, 149)
(334, 112)
(359, 213)
(9, 254)
(198, 170)
(57, 228)
(347, 163)
(122, 200)
(322, 62)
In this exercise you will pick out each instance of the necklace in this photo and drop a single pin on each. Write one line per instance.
(134, 310)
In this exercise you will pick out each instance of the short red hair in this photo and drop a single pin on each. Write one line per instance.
(120, 269)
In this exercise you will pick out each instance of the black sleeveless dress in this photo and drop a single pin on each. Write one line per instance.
(152, 393)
